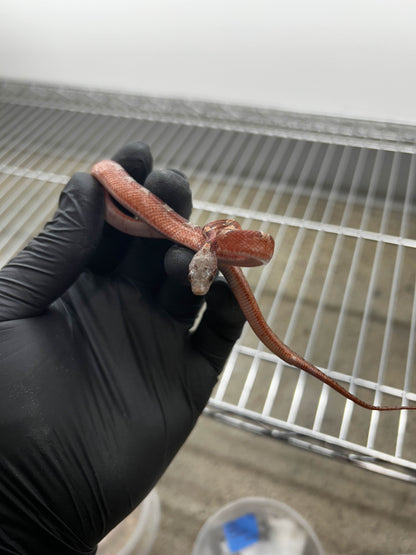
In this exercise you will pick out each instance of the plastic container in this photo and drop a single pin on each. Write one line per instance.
(257, 526)
(136, 534)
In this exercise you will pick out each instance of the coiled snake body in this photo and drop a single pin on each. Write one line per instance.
(221, 243)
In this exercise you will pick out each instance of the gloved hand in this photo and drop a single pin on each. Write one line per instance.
(100, 379)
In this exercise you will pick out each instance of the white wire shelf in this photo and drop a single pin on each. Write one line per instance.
(338, 196)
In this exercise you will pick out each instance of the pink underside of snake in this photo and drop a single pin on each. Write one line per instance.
(153, 218)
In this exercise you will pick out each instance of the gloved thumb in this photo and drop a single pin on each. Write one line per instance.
(53, 260)
(220, 326)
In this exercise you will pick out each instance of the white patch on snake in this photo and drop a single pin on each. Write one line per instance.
(202, 270)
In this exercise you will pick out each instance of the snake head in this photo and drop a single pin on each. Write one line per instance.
(202, 270)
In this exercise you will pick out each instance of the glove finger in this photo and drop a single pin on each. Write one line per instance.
(137, 160)
(175, 295)
(144, 261)
(220, 326)
(52, 261)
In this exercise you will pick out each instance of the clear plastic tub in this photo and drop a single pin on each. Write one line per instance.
(136, 534)
(257, 526)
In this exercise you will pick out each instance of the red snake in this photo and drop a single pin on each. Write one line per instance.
(222, 241)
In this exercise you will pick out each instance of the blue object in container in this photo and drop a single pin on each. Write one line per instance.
(241, 532)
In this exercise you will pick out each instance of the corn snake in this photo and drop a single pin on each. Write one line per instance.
(219, 245)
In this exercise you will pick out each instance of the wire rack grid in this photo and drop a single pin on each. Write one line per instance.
(338, 196)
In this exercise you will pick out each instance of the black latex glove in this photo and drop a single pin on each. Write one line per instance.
(100, 380)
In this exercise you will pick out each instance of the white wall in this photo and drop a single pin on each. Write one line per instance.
(349, 57)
